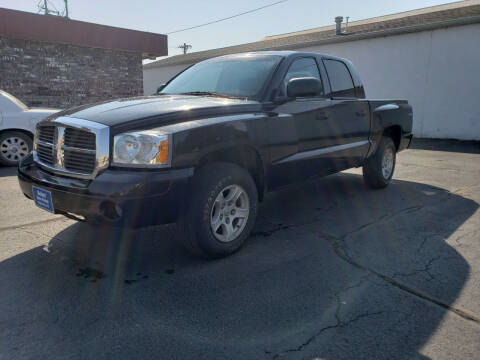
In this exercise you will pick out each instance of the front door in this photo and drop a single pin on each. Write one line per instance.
(295, 132)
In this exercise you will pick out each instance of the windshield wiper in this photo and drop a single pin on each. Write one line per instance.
(211, 93)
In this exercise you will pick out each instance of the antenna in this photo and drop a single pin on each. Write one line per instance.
(185, 47)
(43, 7)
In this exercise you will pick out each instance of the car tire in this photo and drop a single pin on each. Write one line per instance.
(219, 211)
(14, 146)
(378, 169)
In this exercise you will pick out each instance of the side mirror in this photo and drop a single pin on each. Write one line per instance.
(160, 88)
(305, 86)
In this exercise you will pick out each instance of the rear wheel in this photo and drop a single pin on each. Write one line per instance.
(378, 169)
(219, 212)
(14, 146)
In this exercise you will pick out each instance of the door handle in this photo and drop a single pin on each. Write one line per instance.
(360, 113)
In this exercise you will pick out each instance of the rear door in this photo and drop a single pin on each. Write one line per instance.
(346, 138)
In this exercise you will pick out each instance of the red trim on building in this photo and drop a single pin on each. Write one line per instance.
(55, 29)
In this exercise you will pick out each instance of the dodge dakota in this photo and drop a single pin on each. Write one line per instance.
(205, 149)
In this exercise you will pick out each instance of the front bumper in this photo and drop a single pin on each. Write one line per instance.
(132, 197)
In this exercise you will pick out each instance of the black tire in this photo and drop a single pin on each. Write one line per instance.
(194, 229)
(22, 142)
(372, 169)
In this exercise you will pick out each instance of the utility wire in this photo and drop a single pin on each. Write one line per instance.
(227, 18)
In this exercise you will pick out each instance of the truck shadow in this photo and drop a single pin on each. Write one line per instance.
(458, 146)
(287, 293)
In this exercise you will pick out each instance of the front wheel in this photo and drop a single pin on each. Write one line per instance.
(219, 212)
(378, 168)
(14, 146)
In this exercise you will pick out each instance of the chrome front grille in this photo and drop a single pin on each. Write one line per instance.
(78, 161)
(46, 139)
(72, 147)
(79, 139)
(47, 134)
(45, 153)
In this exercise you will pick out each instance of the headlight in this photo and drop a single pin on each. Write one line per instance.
(142, 149)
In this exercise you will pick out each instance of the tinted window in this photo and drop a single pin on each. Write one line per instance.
(303, 67)
(239, 76)
(340, 79)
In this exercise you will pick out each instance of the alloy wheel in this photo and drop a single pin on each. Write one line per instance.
(387, 162)
(229, 213)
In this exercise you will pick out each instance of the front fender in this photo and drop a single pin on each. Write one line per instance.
(193, 140)
(16, 122)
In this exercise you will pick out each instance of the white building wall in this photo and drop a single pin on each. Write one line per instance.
(437, 71)
(152, 78)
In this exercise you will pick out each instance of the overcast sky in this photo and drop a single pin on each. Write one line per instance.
(160, 16)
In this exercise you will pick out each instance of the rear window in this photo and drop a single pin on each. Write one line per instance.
(340, 79)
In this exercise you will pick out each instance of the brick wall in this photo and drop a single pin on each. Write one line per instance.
(55, 75)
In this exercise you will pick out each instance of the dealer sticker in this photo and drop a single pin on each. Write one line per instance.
(43, 199)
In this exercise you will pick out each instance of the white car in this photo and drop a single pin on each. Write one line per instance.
(17, 126)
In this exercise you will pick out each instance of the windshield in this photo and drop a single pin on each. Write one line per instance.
(242, 77)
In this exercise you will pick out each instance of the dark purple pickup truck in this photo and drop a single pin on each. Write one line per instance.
(205, 149)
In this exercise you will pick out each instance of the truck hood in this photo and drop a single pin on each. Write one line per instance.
(159, 110)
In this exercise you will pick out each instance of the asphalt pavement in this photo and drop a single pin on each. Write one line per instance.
(333, 270)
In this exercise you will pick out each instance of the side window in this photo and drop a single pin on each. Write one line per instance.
(340, 79)
(302, 67)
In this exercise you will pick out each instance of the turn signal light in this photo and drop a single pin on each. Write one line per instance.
(162, 156)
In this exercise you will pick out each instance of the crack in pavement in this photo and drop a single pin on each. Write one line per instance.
(462, 189)
(422, 244)
(406, 164)
(339, 249)
(33, 223)
(465, 314)
(338, 245)
(38, 233)
(383, 218)
(472, 233)
(339, 323)
(426, 269)
(281, 226)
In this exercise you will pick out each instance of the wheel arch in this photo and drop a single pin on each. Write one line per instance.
(395, 133)
(26, 132)
(244, 156)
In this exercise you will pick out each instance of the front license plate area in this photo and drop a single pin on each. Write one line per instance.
(43, 199)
